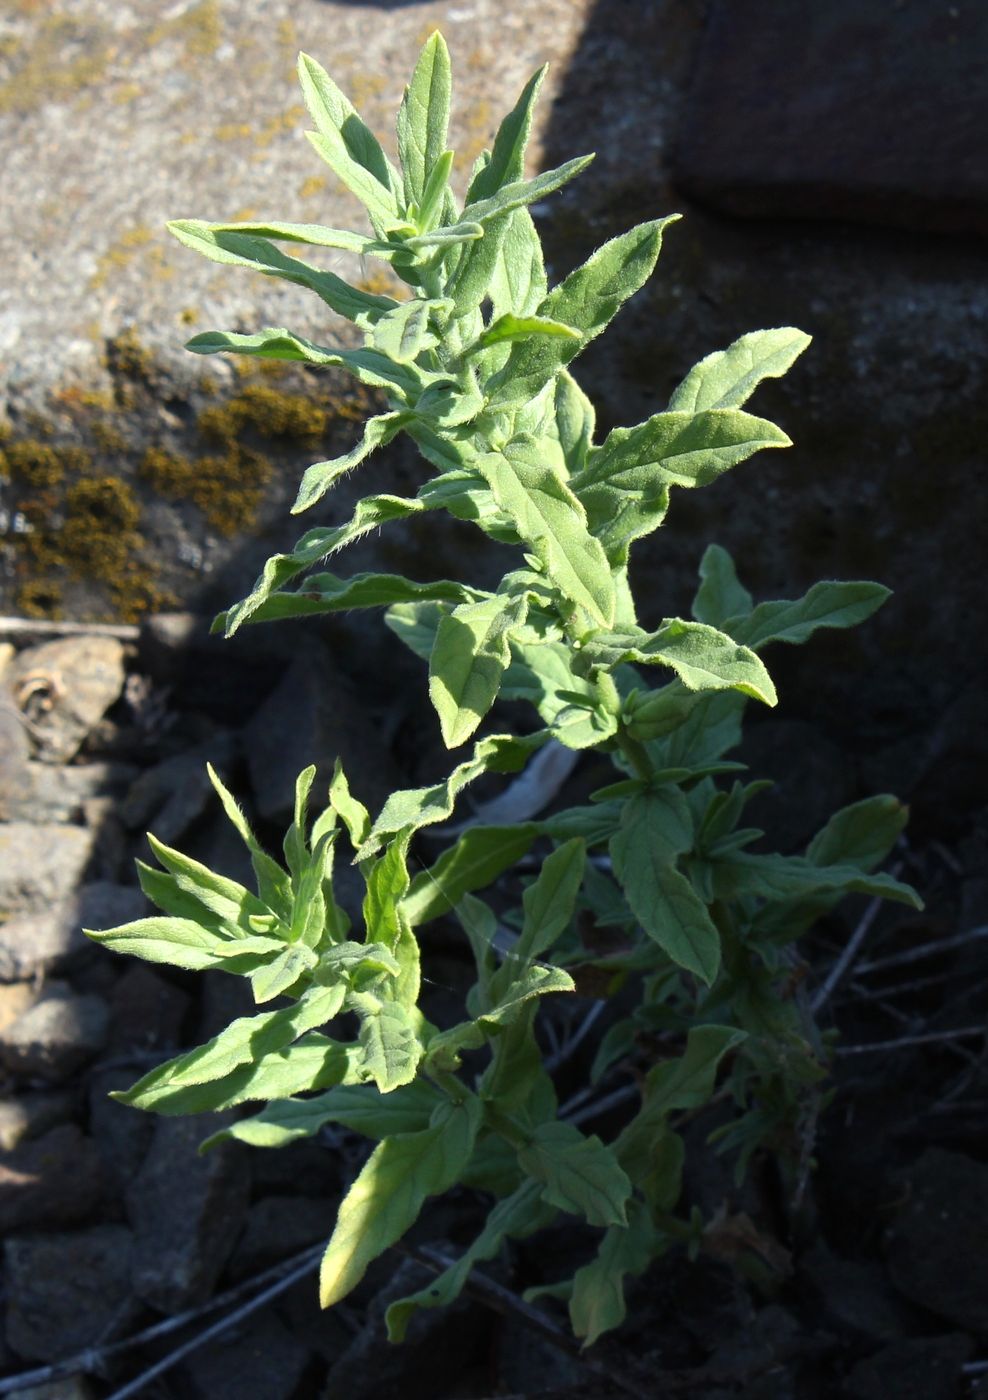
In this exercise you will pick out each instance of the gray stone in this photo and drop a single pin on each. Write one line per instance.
(52, 940)
(45, 793)
(65, 688)
(66, 1292)
(278, 1227)
(937, 1246)
(122, 1134)
(313, 716)
(916, 1368)
(32, 1113)
(53, 1180)
(41, 864)
(168, 798)
(15, 785)
(186, 1211)
(898, 91)
(15, 999)
(55, 1036)
(147, 1011)
(263, 1360)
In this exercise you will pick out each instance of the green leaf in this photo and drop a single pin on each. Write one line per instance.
(276, 343)
(413, 808)
(720, 595)
(277, 977)
(327, 593)
(272, 882)
(588, 300)
(578, 1174)
(656, 827)
(793, 877)
(509, 327)
(549, 518)
(175, 942)
(541, 673)
(388, 1195)
(729, 377)
(516, 1217)
(475, 861)
(369, 514)
(423, 117)
(346, 144)
(523, 192)
(404, 333)
(597, 1303)
(507, 162)
(470, 1035)
(549, 902)
(392, 1050)
(387, 884)
(233, 904)
(246, 1043)
(352, 812)
(359, 1107)
(861, 835)
(318, 478)
(702, 657)
(625, 483)
(470, 655)
(517, 282)
(242, 249)
(825, 605)
(575, 419)
(688, 1082)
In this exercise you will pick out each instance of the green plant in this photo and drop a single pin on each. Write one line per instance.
(653, 885)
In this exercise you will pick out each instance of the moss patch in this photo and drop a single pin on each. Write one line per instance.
(228, 489)
(269, 413)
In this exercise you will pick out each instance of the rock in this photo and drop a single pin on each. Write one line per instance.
(15, 998)
(52, 940)
(262, 1360)
(66, 1388)
(53, 1180)
(186, 1212)
(122, 1134)
(65, 688)
(66, 1292)
(314, 717)
(41, 864)
(306, 1168)
(900, 92)
(222, 677)
(15, 749)
(278, 1227)
(812, 778)
(168, 798)
(147, 1011)
(52, 1038)
(916, 1368)
(937, 1246)
(45, 793)
(30, 1114)
(854, 1293)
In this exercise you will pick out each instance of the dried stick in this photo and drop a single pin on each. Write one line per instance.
(850, 952)
(31, 627)
(925, 950)
(929, 1038)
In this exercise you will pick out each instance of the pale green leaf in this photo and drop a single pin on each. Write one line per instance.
(391, 1049)
(359, 1107)
(475, 861)
(318, 478)
(578, 1174)
(776, 877)
(550, 900)
(825, 605)
(597, 1304)
(518, 282)
(470, 655)
(276, 343)
(279, 976)
(405, 332)
(423, 116)
(346, 144)
(509, 327)
(173, 941)
(861, 835)
(720, 595)
(575, 419)
(507, 162)
(727, 378)
(388, 1195)
(702, 657)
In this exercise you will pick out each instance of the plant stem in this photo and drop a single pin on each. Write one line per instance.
(636, 754)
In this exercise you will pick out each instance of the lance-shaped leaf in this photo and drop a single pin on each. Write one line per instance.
(728, 378)
(523, 192)
(575, 419)
(531, 491)
(470, 655)
(550, 900)
(391, 1049)
(273, 884)
(518, 281)
(656, 828)
(670, 449)
(413, 808)
(507, 162)
(516, 1217)
(387, 884)
(775, 877)
(702, 657)
(234, 905)
(346, 144)
(191, 231)
(423, 117)
(176, 942)
(359, 1107)
(720, 594)
(247, 1041)
(369, 514)
(318, 478)
(578, 1174)
(862, 834)
(475, 861)
(470, 1035)
(509, 327)
(328, 593)
(588, 300)
(404, 332)
(825, 605)
(596, 1304)
(278, 977)
(388, 1195)
(541, 672)
(276, 343)
(240, 249)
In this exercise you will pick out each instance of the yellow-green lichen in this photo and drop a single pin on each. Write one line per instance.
(39, 598)
(64, 57)
(267, 412)
(199, 29)
(227, 489)
(33, 463)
